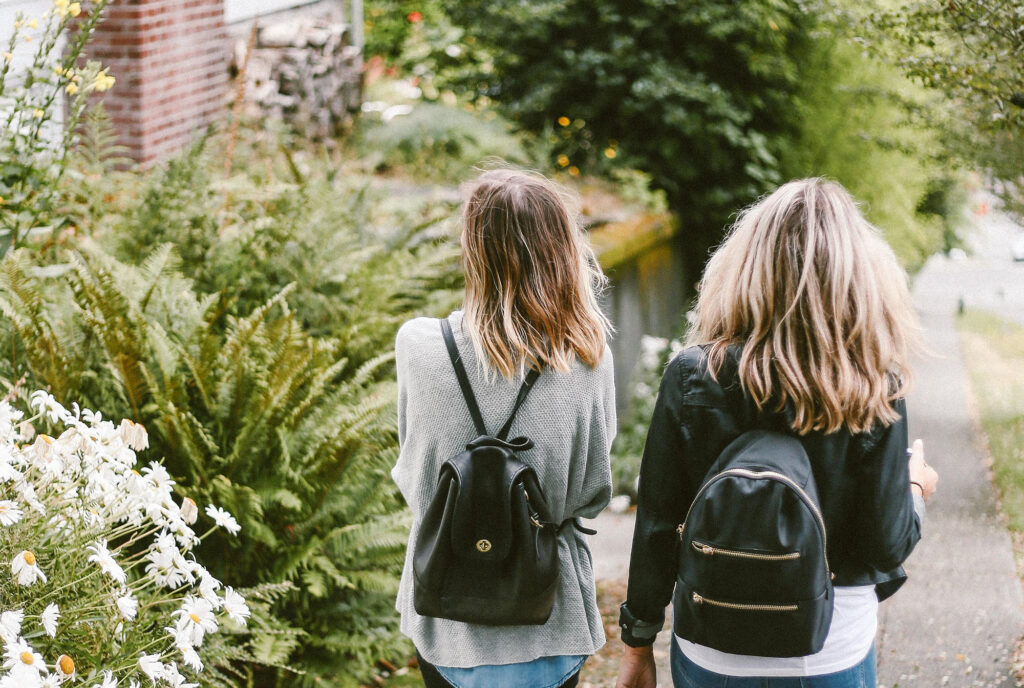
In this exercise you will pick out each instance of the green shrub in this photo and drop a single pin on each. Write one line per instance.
(628, 448)
(861, 130)
(339, 239)
(247, 320)
(274, 424)
(39, 130)
(437, 142)
(697, 94)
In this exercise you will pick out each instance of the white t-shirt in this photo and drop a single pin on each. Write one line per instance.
(850, 636)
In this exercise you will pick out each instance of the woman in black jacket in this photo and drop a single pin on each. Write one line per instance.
(804, 323)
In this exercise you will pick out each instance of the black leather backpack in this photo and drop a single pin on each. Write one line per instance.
(753, 572)
(487, 552)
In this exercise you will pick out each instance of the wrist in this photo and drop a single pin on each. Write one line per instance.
(639, 649)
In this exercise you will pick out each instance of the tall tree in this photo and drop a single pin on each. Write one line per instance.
(696, 93)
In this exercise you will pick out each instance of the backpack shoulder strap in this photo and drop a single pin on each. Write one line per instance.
(460, 373)
(531, 378)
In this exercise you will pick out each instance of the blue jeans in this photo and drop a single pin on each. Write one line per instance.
(686, 674)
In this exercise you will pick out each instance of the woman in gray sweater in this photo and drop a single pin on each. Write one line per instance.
(530, 303)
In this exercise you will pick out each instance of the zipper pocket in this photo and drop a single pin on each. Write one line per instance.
(699, 599)
(711, 550)
(771, 475)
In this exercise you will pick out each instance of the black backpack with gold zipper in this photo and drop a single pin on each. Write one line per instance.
(753, 572)
(486, 551)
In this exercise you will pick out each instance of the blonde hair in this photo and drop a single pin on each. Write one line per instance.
(818, 303)
(531, 277)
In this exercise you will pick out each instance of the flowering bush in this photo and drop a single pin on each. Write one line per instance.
(628, 448)
(99, 582)
(41, 105)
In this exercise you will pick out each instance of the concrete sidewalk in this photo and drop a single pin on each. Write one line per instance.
(957, 620)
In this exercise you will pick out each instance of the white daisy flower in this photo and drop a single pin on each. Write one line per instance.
(128, 606)
(45, 403)
(208, 586)
(189, 511)
(101, 555)
(158, 476)
(223, 519)
(175, 679)
(24, 665)
(235, 606)
(10, 512)
(10, 625)
(108, 680)
(134, 434)
(191, 658)
(8, 473)
(64, 668)
(50, 616)
(24, 567)
(195, 619)
(151, 666)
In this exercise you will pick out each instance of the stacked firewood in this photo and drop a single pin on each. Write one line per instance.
(304, 71)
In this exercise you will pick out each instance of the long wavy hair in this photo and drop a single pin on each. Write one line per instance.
(818, 304)
(531, 277)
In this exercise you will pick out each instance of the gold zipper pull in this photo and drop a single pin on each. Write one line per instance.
(679, 530)
(697, 598)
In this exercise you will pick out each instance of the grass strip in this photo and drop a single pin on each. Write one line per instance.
(993, 350)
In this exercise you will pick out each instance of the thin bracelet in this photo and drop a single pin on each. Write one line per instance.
(914, 482)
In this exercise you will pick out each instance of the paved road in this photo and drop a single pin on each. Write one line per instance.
(957, 620)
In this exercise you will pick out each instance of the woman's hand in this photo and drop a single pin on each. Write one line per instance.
(921, 473)
(637, 668)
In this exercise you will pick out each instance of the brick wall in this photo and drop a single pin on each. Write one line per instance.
(170, 59)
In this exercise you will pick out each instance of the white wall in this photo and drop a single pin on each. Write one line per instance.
(241, 10)
(8, 11)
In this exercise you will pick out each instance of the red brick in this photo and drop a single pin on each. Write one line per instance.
(170, 58)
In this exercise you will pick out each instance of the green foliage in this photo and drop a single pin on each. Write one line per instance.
(628, 448)
(994, 354)
(242, 318)
(969, 49)
(867, 127)
(389, 24)
(697, 94)
(337, 238)
(277, 426)
(38, 129)
(436, 142)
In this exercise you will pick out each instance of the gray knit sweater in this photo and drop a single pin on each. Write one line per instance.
(571, 419)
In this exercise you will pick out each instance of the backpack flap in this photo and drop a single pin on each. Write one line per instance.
(482, 518)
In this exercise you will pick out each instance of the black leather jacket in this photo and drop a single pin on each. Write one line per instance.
(863, 486)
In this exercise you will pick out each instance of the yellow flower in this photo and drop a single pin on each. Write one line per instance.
(8, 57)
(65, 666)
(75, 9)
(564, 121)
(609, 153)
(563, 160)
(38, 114)
(28, 39)
(103, 81)
(61, 6)
(71, 88)
(32, 24)
(574, 171)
